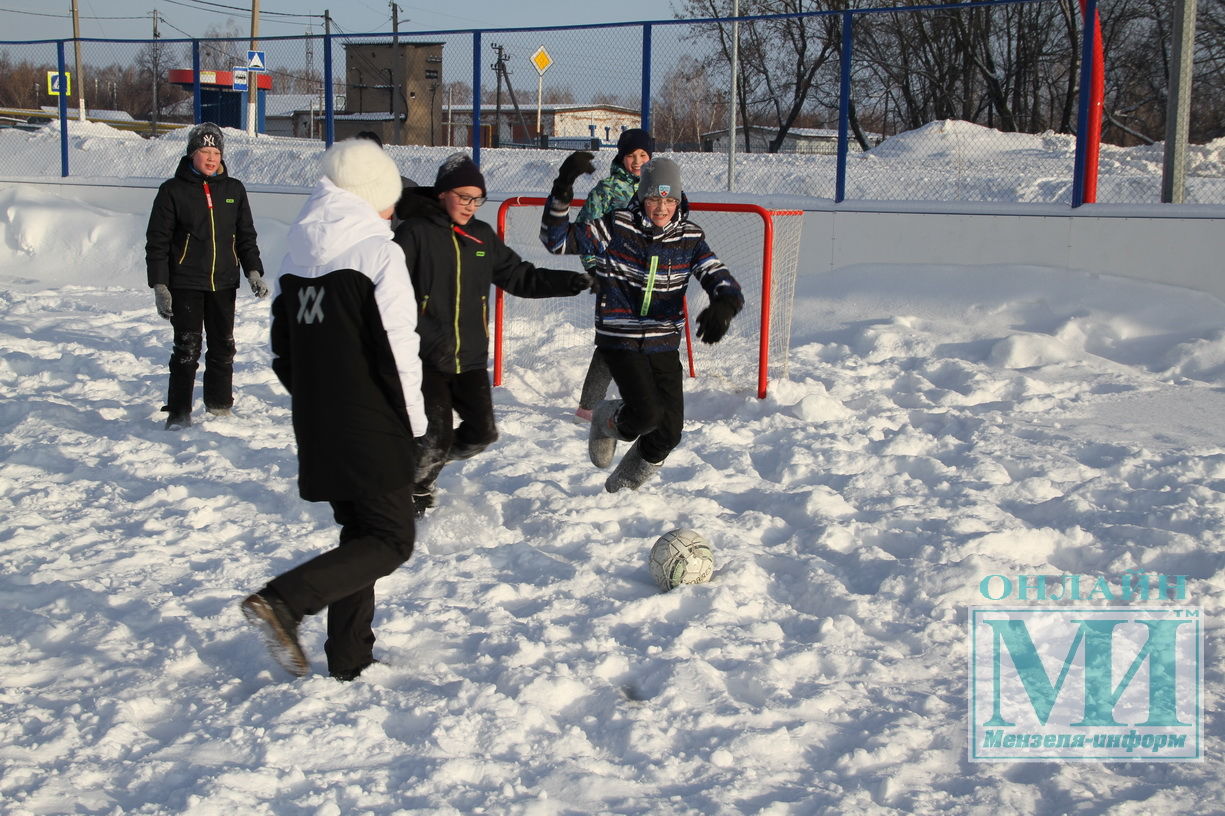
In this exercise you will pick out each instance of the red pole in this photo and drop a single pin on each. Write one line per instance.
(1097, 103)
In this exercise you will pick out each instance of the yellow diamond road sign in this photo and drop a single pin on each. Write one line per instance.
(541, 60)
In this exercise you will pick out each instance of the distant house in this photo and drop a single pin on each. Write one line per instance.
(300, 115)
(797, 140)
(568, 124)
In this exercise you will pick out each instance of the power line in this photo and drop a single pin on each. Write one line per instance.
(65, 16)
(262, 12)
(246, 15)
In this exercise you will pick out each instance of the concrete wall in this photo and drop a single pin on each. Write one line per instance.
(1171, 244)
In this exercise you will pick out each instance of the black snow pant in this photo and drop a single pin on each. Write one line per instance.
(376, 537)
(652, 388)
(467, 395)
(199, 315)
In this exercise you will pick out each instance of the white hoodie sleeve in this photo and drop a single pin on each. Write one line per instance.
(393, 292)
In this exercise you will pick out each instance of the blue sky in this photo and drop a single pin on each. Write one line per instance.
(125, 19)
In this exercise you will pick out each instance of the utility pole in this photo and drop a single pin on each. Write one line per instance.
(395, 73)
(76, 46)
(253, 76)
(157, 70)
(497, 105)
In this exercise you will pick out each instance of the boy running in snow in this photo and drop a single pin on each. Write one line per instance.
(345, 346)
(634, 149)
(453, 259)
(200, 230)
(646, 253)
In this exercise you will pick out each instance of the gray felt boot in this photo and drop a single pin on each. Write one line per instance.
(632, 471)
(603, 436)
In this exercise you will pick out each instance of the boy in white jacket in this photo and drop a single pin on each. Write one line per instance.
(345, 346)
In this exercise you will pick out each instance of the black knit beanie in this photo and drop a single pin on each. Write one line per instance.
(205, 134)
(458, 171)
(631, 140)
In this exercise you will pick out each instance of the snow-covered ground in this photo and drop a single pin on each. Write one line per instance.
(939, 425)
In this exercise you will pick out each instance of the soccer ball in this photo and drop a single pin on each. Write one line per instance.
(681, 557)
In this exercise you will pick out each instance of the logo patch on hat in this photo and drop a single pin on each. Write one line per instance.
(664, 189)
(209, 140)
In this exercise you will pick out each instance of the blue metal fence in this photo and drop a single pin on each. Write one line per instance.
(617, 52)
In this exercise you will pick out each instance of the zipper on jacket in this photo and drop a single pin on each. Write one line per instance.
(646, 297)
(186, 244)
(458, 287)
(212, 223)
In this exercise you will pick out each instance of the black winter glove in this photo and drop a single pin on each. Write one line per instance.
(163, 301)
(575, 165)
(581, 282)
(715, 318)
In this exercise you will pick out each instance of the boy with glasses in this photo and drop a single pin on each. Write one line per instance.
(453, 259)
(646, 255)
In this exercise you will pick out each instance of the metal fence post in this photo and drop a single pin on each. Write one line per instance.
(475, 137)
(329, 104)
(646, 77)
(1088, 32)
(844, 107)
(59, 55)
(1178, 106)
(197, 107)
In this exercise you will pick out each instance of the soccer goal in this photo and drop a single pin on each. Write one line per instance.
(760, 246)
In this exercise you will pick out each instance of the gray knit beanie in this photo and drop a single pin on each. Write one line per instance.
(660, 177)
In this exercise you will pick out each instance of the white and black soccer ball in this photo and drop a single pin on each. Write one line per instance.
(681, 557)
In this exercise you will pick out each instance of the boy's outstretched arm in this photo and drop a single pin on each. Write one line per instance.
(555, 228)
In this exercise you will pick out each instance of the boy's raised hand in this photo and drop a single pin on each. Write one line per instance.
(578, 163)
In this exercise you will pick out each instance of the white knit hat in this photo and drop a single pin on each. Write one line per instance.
(361, 167)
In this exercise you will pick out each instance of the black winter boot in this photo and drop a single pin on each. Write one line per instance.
(178, 420)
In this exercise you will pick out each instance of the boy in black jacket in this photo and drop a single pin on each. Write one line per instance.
(452, 259)
(344, 344)
(200, 230)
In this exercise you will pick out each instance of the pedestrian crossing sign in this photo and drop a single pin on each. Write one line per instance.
(58, 83)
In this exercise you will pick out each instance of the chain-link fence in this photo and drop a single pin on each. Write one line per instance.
(968, 102)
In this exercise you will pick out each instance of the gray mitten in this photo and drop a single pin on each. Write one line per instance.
(257, 283)
(161, 296)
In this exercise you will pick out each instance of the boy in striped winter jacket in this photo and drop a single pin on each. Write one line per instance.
(647, 253)
(615, 192)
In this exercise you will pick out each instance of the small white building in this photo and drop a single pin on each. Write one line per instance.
(573, 123)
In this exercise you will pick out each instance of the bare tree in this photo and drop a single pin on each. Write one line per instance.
(781, 58)
(686, 106)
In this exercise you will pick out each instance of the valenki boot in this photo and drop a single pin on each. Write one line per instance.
(603, 436)
(632, 471)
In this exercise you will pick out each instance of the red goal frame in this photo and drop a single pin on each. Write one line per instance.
(767, 277)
